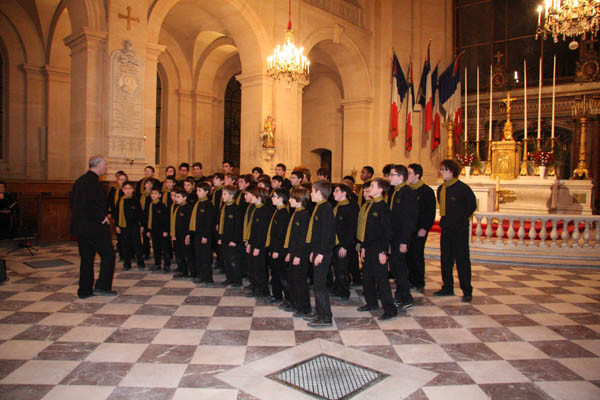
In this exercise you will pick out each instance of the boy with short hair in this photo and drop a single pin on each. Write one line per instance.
(230, 236)
(346, 217)
(184, 171)
(276, 182)
(217, 196)
(144, 202)
(202, 223)
(275, 237)
(157, 228)
(296, 179)
(180, 234)
(321, 240)
(128, 216)
(168, 186)
(374, 233)
(189, 185)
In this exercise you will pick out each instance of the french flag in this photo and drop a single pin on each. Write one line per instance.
(450, 91)
(399, 89)
(435, 107)
(410, 104)
(425, 77)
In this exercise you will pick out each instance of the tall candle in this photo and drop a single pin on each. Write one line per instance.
(491, 84)
(539, 126)
(466, 111)
(478, 103)
(525, 97)
(553, 95)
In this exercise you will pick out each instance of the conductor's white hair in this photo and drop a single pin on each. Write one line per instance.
(95, 161)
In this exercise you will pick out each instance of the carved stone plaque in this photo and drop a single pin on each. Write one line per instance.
(126, 129)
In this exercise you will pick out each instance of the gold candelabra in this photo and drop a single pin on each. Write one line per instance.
(449, 125)
(583, 110)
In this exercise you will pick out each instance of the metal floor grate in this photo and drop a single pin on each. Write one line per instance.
(56, 262)
(328, 377)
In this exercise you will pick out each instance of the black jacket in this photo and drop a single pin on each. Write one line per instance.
(323, 229)
(231, 231)
(297, 246)
(134, 216)
(260, 226)
(378, 231)
(404, 212)
(279, 229)
(88, 203)
(160, 218)
(346, 220)
(426, 201)
(205, 219)
(460, 205)
(182, 221)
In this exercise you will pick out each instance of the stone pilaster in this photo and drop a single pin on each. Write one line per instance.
(35, 130)
(358, 135)
(58, 121)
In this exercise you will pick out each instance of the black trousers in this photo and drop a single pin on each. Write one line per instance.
(132, 246)
(146, 243)
(416, 261)
(88, 247)
(231, 259)
(298, 275)
(279, 271)
(340, 270)
(258, 269)
(159, 247)
(322, 305)
(355, 272)
(202, 258)
(399, 271)
(454, 245)
(376, 283)
(184, 257)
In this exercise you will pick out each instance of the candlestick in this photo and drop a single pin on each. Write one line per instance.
(466, 113)
(491, 104)
(553, 96)
(525, 98)
(477, 130)
(539, 124)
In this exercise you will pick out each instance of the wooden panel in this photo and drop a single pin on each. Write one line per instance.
(54, 218)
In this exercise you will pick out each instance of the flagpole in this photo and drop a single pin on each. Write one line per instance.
(391, 93)
(466, 114)
(524, 169)
(488, 167)
(477, 130)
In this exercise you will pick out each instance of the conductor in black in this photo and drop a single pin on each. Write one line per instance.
(90, 224)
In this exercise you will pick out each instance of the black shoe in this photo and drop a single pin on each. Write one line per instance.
(104, 292)
(236, 285)
(155, 267)
(386, 316)
(248, 287)
(251, 294)
(420, 289)
(226, 282)
(320, 323)
(467, 298)
(167, 270)
(85, 296)
(142, 266)
(366, 307)
(311, 317)
(180, 275)
(197, 280)
(208, 284)
(299, 314)
(404, 305)
(126, 267)
(444, 292)
(273, 300)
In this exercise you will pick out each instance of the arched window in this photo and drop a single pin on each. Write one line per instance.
(158, 118)
(233, 106)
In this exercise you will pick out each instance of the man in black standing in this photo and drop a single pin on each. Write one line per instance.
(90, 224)
(457, 205)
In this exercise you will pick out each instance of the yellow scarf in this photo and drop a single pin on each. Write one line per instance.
(286, 244)
(174, 217)
(214, 199)
(312, 219)
(396, 190)
(246, 221)
(143, 198)
(248, 227)
(117, 194)
(165, 197)
(122, 220)
(150, 213)
(362, 219)
(268, 242)
(194, 212)
(222, 216)
(443, 195)
(239, 198)
(417, 185)
(340, 203)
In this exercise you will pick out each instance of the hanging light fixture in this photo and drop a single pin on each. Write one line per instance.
(289, 62)
(568, 18)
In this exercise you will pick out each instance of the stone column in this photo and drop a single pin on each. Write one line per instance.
(153, 51)
(257, 96)
(205, 142)
(58, 121)
(358, 135)
(185, 144)
(35, 131)
(287, 113)
(87, 84)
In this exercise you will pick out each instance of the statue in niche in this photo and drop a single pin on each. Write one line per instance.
(268, 133)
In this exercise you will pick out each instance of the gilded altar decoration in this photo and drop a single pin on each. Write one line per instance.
(268, 134)
(508, 128)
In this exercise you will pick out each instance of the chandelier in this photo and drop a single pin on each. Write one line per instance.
(568, 18)
(288, 61)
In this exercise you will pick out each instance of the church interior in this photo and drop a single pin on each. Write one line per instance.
(158, 83)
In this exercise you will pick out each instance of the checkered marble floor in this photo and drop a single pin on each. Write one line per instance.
(530, 333)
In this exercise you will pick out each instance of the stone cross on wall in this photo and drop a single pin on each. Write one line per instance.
(129, 18)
